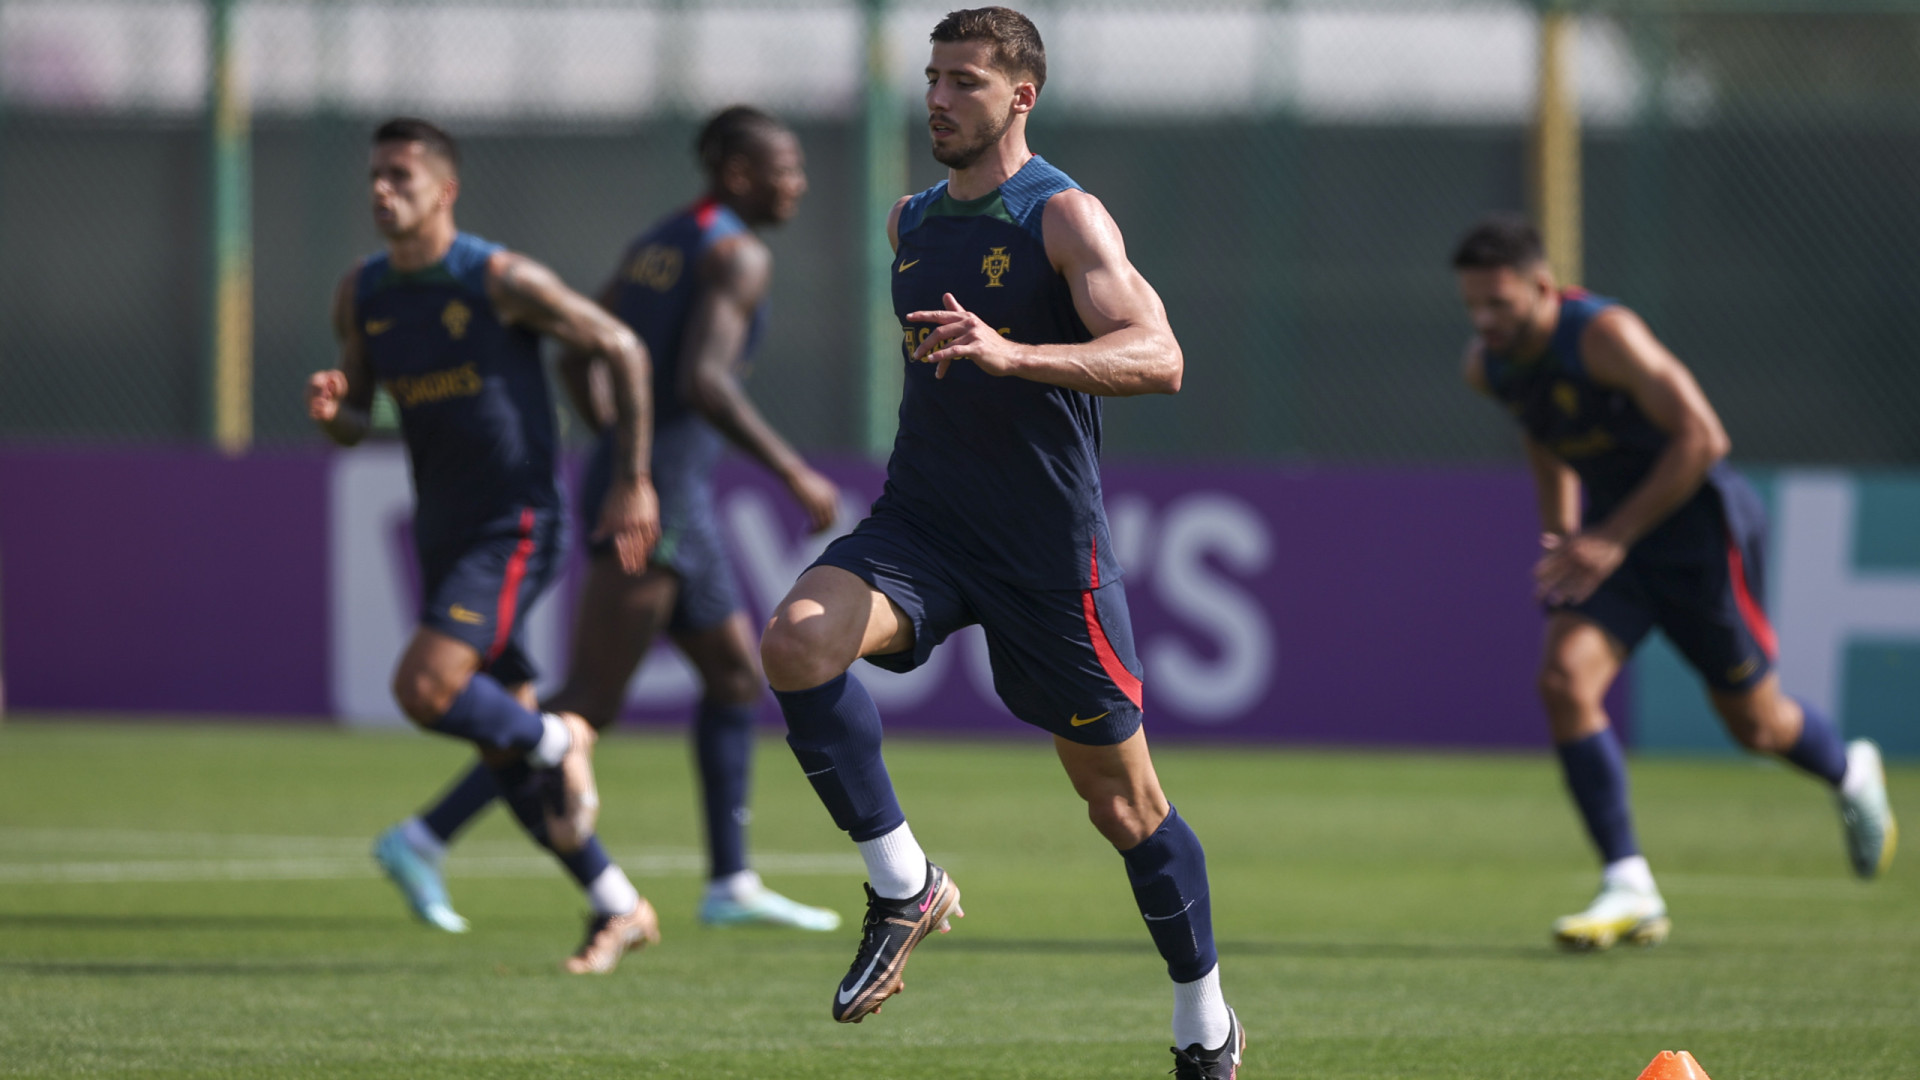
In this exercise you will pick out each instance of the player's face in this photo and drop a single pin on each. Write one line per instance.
(409, 185)
(970, 103)
(1506, 305)
(777, 179)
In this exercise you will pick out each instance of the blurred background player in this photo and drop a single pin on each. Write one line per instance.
(694, 288)
(1670, 536)
(1019, 311)
(450, 325)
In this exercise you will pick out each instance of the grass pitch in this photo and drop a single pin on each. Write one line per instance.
(197, 902)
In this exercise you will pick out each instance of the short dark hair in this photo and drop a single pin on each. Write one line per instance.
(413, 129)
(1017, 48)
(730, 132)
(1500, 242)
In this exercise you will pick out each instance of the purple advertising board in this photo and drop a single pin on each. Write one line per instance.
(1339, 606)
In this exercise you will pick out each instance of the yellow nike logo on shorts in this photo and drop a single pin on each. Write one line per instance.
(461, 614)
(905, 265)
(1077, 722)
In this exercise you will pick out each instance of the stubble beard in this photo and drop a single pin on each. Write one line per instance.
(964, 156)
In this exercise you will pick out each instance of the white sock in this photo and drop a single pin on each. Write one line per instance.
(1200, 1013)
(896, 867)
(612, 894)
(736, 887)
(555, 741)
(1632, 871)
(422, 841)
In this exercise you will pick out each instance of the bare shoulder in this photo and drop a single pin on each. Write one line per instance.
(741, 261)
(1618, 345)
(1076, 225)
(893, 219)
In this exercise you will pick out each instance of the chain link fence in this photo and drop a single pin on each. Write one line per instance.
(1290, 176)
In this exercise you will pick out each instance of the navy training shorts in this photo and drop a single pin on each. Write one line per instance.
(480, 592)
(1063, 659)
(1699, 577)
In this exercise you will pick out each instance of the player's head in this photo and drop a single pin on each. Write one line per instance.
(987, 68)
(1505, 280)
(753, 163)
(415, 175)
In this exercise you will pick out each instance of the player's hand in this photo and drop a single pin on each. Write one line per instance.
(959, 334)
(1574, 566)
(325, 391)
(631, 519)
(818, 496)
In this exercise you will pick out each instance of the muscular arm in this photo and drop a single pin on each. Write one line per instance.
(1619, 351)
(1555, 484)
(585, 382)
(341, 401)
(733, 280)
(528, 294)
(1133, 350)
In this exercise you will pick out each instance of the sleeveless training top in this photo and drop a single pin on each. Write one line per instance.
(1003, 471)
(658, 284)
(473, 399)
(1597, 430)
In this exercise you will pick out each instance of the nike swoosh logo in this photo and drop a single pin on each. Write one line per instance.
(1077, 722)
(905, 266)
(376, 327)
(1164, 918)
(845, 995)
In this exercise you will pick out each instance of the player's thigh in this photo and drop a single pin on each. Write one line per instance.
(1580, 659)
(619, 616)
(433, 669)
(1118, 782)
(830, 618)
(726, 657)
(1759, 716)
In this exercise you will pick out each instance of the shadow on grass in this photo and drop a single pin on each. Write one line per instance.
(52, 920)
(1298, 950)
(117, 969)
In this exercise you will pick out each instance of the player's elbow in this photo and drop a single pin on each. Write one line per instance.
(707, 393)
(1174, 371)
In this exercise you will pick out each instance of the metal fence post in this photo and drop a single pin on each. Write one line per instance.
(884, 165)
(1556, 144)
(230, 363)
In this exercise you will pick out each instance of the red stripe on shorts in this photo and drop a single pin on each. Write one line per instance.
(1110, 663)
(510, 587)
(1750, 610)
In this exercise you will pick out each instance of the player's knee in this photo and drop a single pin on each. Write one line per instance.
(797, 655)
(422, 694)
(1752, 728)
(1121, 820)
(736, 685)
(1561, 687)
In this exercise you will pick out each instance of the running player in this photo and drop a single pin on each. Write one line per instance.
(694, 289)
(1020, 311)
(450, 324)
(1670, 536)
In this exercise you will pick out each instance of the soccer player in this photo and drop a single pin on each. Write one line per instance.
(694, 288)
(1643, 525)
(1020, 311)
(450, 324)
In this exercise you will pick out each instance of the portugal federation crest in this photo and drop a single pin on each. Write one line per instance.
(455, 319)
(995, 264)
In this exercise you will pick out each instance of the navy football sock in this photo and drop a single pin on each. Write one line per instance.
(472, 793)
(525, 790)
(723, 744)
(1169, 875)
(1596, 772)
(1820, 750)
(486, 715)
(834, 729)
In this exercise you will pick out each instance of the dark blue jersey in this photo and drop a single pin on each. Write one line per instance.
(658, 285)
(1597, 430)
(1003, 471)
(473, 398)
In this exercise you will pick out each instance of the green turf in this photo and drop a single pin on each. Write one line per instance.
(1378, 916)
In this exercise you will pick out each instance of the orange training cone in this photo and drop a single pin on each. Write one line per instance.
(1674, 1065)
